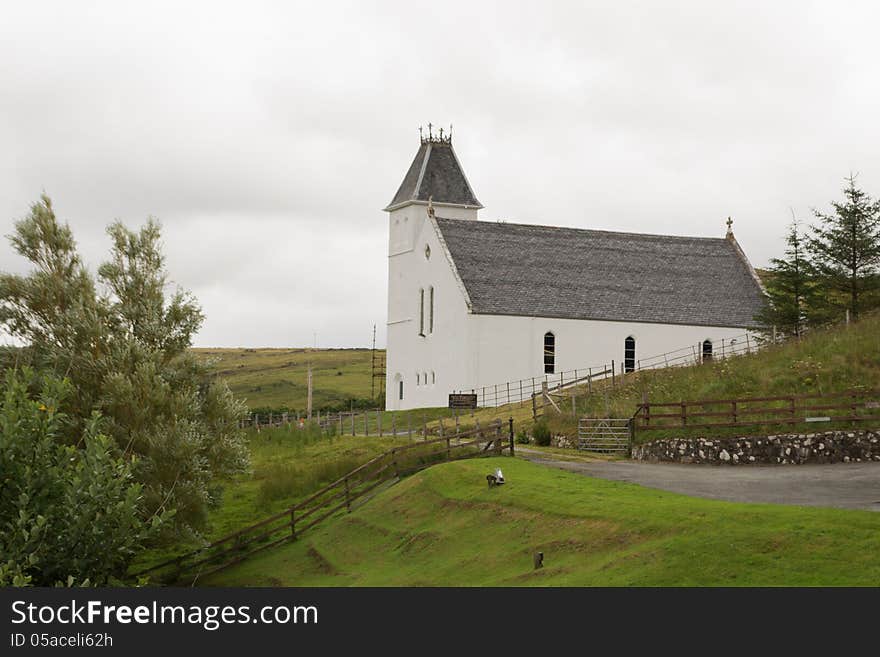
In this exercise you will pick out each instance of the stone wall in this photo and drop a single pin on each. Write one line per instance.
(826, 447)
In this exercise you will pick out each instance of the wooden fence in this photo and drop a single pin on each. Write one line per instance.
(337, 497)
(848, 406)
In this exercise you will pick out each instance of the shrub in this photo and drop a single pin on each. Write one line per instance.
(70, 515)
(123, 342)
(541, 433)
(522, 437)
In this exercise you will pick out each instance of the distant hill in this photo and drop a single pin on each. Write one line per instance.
(276, 378)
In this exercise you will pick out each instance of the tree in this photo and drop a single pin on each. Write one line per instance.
(125, 349)
(69, 515)
(845, 250)
(789, 287)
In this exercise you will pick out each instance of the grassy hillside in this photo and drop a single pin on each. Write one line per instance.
(287, 466)
(444, 527)
(828, 360)
(276, 378)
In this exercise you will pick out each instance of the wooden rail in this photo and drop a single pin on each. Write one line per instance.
(494, 438)
(848, 406)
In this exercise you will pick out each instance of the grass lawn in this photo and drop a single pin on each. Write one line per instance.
(444, 527)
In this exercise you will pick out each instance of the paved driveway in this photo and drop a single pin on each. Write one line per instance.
(841, 485)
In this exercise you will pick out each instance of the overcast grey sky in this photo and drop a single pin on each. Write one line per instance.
(268, 136)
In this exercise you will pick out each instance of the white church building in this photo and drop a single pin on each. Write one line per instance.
(475, 303)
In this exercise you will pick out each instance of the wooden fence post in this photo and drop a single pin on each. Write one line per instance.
(510, 434)
(683, 414)
(366, 427)
(292, 524)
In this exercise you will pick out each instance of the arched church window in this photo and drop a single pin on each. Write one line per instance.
(549, 353)
(422, 311)
(431, 309)
(707, 350)
(629, 354)
(433, 377)
(400, 389)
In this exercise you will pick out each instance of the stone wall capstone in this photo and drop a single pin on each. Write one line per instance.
(825, 447)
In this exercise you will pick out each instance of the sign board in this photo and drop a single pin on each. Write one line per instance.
(460, 400)
(817, 419)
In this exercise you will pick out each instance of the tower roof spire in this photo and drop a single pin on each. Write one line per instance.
(435, 173)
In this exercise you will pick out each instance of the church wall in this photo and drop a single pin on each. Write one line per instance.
(509, 348)
(467, 351)
(440, 358)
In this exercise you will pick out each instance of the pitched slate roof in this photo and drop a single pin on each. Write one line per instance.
(435, 173)
(544, 271)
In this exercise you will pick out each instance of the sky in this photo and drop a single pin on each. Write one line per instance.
(267, 137)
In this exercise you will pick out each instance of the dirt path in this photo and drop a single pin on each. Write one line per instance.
(840, 485)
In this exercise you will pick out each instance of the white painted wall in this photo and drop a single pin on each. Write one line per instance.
(437, 359)
(467, 351)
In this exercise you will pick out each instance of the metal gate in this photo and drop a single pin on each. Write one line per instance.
(608, 435)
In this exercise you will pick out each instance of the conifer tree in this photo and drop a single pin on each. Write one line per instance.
(789, 288)
(845, 251)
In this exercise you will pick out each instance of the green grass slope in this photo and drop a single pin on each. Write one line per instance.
(276, 378)
(828, 360)
(444, 527)
(286, 466)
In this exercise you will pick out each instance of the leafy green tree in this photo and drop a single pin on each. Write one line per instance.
(124, 344)
(69, 515)
(845, 251)
(789, 288)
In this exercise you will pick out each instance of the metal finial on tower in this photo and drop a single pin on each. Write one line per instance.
(441, 134)
(729, 227)
(430, 135)
(421, 137)
(450, 133)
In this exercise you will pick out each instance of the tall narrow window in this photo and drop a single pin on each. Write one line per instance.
(707, 350)
(629, 354)
(422, 311)
(431, 309)
(400, 390)
(549, 353)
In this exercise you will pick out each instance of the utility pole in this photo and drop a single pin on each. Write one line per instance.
(309, 399)
(373, 366)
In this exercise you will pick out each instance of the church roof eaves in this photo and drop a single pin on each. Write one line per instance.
(554, 272)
